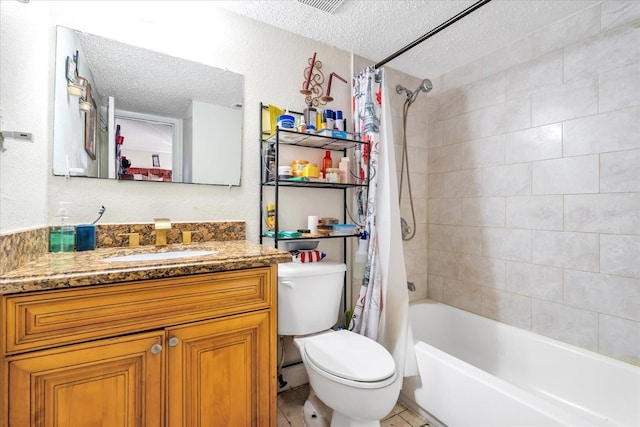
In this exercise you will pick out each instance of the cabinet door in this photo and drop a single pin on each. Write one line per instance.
(106, 383)
(222, 372)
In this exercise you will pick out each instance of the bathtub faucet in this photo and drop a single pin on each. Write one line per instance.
(411, 286)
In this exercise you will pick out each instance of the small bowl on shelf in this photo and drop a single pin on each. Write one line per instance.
(301, 245)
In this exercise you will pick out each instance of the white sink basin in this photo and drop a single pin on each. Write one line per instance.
(159, 256)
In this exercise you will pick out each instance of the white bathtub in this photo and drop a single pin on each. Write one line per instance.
(478, 372)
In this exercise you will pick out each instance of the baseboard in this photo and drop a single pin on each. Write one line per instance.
(294, 375)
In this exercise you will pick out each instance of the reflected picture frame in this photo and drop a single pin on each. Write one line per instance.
(90, 125)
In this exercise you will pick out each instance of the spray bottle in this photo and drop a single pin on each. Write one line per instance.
(360, 258)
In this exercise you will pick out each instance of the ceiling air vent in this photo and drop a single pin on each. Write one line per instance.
(328, 6)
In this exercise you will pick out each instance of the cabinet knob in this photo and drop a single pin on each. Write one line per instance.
(173, 341)
(156, 348)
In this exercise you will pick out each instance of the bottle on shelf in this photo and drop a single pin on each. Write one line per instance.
(269, 163)
(309, 115)
(271, 216)
(327, 163)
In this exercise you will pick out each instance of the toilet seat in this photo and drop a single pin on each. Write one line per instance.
(350, 356)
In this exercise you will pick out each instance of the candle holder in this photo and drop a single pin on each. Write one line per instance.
(313, 80)
(328, 97)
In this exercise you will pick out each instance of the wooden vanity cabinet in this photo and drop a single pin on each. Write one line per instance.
(185, 351)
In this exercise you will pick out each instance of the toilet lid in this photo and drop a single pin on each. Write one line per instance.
(351, 356)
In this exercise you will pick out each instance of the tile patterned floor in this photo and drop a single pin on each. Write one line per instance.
(290, 411)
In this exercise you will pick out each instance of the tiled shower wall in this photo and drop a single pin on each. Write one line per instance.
(534, 182)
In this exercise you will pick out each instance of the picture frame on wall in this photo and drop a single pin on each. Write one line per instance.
(90, 125)
(156, 160)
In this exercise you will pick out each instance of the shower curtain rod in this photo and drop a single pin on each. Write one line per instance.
(436, 30)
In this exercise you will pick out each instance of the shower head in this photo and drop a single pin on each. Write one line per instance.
(425, 86)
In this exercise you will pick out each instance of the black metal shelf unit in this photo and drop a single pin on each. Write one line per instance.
(288, 137)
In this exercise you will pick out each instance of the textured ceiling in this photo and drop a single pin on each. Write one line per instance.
(375, 29)
(136, 88)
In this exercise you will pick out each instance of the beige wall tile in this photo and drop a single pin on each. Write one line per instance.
(463, 295)
(619, 88)
(482, 152)
(507, 307)
(444, 159)
(539, 143)
(619, 255)
(620, 338)
(564, 102)
(507, 180)
(562, 249)
(535, 212)
(614, 295)
(537, 281)
(605, 52)
(566, 176)
(573, 29)
(463, 240)
(508, 244)
(484, 271)
(445, 211)
(617, 13)
(568, 324)
(534, 75)
(484, 211)
(620, 171)
(615, 131)
(603, 213)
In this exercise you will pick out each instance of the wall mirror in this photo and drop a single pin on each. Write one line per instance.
(124, 112)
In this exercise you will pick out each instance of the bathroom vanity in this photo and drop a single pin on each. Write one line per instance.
(175, 342)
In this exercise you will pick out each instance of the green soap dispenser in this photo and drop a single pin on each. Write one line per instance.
(62, 237)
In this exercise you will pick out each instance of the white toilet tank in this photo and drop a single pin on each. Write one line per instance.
(309, 296)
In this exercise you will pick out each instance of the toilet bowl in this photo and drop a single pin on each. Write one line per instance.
(353, 375)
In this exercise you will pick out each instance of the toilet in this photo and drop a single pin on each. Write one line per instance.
(354, 376)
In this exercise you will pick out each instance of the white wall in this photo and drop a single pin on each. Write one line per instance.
(534, 182)
(214, 130)
(271, 60)
(25, 102)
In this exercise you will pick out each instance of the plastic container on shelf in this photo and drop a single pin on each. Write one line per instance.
(343, 230)
(310, 170)
(345, 170)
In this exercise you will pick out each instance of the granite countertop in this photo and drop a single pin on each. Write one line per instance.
(74, 269)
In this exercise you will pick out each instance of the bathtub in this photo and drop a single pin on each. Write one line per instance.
(474, 371)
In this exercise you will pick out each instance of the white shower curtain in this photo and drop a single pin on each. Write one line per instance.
(382, 309)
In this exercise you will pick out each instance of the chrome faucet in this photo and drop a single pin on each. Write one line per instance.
(161, 226)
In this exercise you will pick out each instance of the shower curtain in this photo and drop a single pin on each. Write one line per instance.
(382, 308)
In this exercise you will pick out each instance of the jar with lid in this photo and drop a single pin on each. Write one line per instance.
(297, 166)
(333, 175)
